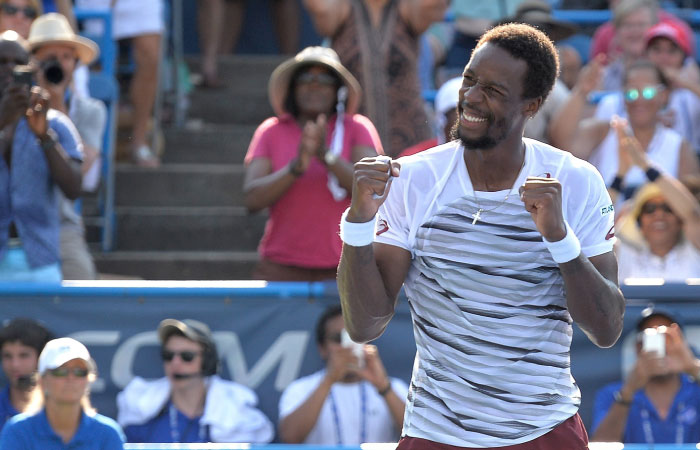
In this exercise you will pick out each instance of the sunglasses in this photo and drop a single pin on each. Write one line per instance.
(650, 208)
(320, 78)
(186, 356)
(647, 93)
(28, 11)
(63, 372)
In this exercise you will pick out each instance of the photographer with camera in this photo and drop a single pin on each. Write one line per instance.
(350, 402)
(41, 150)
(191, 403)
(659, 400)
(58, 52)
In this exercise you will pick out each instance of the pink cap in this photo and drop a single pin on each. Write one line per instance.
(669, 31)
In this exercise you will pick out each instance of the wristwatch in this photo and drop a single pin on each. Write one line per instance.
(49, 140)
(617, 396)
(330, 158)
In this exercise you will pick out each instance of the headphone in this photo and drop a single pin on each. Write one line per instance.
(210, 358)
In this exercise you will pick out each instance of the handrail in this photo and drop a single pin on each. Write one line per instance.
(639, 293)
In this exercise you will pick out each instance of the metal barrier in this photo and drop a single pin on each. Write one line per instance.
(265, 331)
(392, 446)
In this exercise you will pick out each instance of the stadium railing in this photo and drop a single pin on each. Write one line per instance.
(103, 86)
(592, 446)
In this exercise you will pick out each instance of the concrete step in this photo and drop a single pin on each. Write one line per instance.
(208, 143)
(244, 98)
(179, 185)
(190, 228)
(174, 265)
(248, 107)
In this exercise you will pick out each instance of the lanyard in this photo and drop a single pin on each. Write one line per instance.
(646, 425)
(363, 416)
(175, 433)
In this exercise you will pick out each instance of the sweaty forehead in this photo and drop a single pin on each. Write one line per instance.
(496, 65)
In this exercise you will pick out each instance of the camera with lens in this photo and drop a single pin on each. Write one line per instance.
(53, 72)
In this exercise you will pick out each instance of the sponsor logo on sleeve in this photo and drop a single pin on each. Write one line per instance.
(605, 210)
(611, 233)
(382, 227)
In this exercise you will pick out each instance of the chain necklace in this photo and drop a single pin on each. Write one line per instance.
(477, 215)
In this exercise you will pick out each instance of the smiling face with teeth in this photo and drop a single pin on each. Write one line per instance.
(660, 227)
(491, 107)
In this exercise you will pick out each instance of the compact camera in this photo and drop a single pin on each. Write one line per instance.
(357, 349)
(654, 340)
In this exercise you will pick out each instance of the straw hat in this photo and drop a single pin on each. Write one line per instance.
(278, 85)
(629, 228)
(53, 28)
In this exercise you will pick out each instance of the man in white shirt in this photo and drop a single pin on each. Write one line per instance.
(501, 243)
(350, 402)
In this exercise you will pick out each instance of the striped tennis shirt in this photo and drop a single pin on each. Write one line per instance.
(487, 300)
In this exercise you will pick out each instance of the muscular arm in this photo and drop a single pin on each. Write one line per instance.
(369, 280)
(593, 297)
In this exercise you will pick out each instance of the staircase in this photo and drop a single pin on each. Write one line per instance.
(186, 219)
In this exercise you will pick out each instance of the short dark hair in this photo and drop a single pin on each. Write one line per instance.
(27, 332)
(330, 313)
(531, 45)
(290, 103)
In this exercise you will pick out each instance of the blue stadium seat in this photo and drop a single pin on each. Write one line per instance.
(104, 87)
(582, 44)
(108, 48)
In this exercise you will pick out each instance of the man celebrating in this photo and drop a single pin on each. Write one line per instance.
(502, 242)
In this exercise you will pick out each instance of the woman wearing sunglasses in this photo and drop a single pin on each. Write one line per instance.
(300, 165)
(645, 94)
(67, 419)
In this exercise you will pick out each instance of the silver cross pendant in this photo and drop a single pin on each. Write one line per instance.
(476, 216)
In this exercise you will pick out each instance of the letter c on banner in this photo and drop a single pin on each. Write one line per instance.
(123, 361)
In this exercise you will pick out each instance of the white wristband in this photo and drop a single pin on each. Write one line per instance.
(357, 234)
(565, 250)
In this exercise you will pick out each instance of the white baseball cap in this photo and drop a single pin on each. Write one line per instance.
(59, 351)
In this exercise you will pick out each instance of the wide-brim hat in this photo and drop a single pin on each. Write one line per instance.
(278, 86)
(53, 28)
(629, 230)
(538, 13)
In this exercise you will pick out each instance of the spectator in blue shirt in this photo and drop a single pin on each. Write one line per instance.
(191, 403)
(40, 151)
(67, 421)
(21, 342)
(659, 401)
